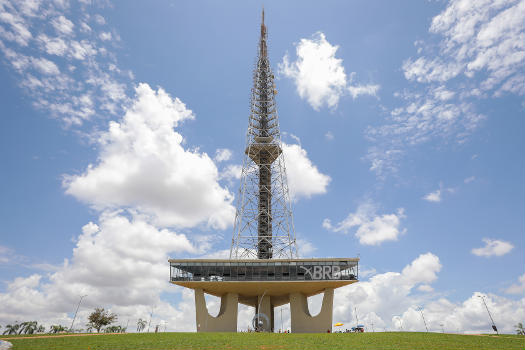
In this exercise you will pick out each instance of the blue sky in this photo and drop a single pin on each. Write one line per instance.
(123, 125)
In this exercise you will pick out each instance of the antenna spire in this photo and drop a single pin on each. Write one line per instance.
(263, 222)
(262, 43)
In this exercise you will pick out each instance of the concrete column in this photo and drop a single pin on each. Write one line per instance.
(225, 321)
(303, 322)
(267, 309)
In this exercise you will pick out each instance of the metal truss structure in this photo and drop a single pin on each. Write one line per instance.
(263, 226)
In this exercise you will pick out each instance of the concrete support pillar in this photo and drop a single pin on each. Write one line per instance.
(267, 309)
(303, 322)
(225, 321)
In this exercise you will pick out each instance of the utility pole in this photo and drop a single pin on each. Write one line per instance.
(493, 324)
(420, 309)
(74, 317)
(356, 319)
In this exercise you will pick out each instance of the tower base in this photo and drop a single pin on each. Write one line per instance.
(303, 322)
(225, 321)
(301, 319)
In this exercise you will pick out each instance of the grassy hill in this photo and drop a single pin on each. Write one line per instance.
(232, 341)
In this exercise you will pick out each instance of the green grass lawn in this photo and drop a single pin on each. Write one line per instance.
(388, 340)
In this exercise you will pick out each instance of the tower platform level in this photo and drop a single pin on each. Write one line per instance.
(264, 284)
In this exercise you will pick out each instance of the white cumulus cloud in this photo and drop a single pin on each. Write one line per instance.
(425, 288)
(222, 154)
(231, 172)
(479, 54)
(105, 36)
(493, 247)
(143, 165)
(5, 254)
(391, 300)
(362, 90)
(372, 229)
(119, 262)
(424, 269)
(433, 196)
(63, 25)
(44, 43)
(304, 178)
(45, 66)
(517, 288)
(478, 36)
(319, 75)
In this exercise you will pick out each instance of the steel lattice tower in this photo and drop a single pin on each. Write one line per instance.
(263, 226)
(263, 270)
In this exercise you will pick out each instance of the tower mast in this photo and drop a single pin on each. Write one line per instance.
(263, 222)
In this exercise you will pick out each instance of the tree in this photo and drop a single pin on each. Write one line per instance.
(57, 329)
(21, 327)
(100, 318)
(28, 327)
(115, 329)
(519, 329)
(11, 328)
(41, 329)
(141, 324)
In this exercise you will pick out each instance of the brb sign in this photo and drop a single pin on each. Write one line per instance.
(322, 272)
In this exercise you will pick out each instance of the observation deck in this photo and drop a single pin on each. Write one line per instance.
(275, 278)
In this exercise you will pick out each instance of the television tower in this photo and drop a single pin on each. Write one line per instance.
(263, 226)
(263, 270)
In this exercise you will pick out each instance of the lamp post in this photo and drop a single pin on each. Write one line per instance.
(259, 308)
(420, 309)
(493, 324)
(74, 317)
(151, 316)
(282, 330)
